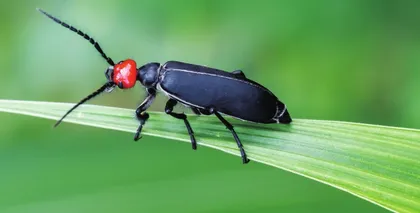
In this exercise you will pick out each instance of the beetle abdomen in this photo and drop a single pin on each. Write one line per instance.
(236, 97)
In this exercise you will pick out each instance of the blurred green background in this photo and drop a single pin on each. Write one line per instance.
(345, 60)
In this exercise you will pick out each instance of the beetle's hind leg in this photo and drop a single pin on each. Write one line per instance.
(238, 142)
(239, 73)
(168, 109)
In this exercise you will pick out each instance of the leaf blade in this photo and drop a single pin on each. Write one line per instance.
(376, 163)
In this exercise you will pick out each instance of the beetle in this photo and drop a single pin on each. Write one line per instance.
(205, 90)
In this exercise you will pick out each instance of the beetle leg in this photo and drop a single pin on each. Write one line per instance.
(195, 110)
(239, 73)
(205, 111)
(168, 109)
(238, 142)
(141, 115)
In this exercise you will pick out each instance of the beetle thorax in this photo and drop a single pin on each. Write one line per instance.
(148, 74)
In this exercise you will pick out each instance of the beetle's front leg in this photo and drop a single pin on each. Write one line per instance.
(168, 109)
(141, 115)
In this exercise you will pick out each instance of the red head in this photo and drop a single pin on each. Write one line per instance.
(125, 74)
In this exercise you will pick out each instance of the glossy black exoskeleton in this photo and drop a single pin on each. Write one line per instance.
(207, 91)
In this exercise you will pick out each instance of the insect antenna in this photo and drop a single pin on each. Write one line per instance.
(84, 35)
(97, 92)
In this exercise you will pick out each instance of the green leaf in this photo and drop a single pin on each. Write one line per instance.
(377, 163)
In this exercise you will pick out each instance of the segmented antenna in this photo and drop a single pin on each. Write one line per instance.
(84, 35)
(97, 92)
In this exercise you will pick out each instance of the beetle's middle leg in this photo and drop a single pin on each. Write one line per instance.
(168, 109)
(196, 111)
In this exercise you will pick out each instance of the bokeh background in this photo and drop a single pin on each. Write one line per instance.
(350, 60)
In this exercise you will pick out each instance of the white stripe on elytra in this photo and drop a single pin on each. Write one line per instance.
(210, 74)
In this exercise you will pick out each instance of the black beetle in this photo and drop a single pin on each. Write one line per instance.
(205, 90)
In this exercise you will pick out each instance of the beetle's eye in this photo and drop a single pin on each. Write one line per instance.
(125, 74)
